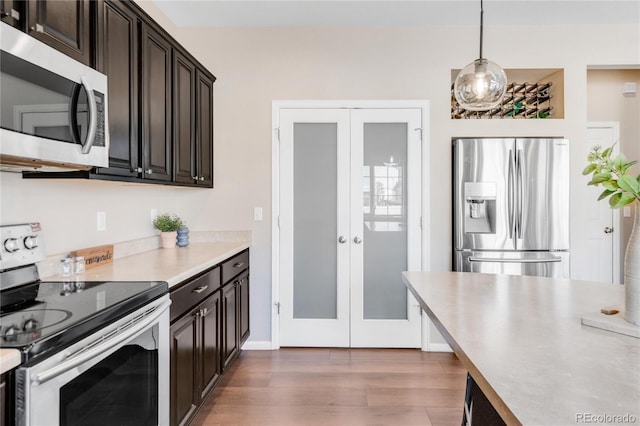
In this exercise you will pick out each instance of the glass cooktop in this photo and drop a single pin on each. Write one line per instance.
(45, 317)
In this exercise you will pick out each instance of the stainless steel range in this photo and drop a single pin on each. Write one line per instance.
(92, 352)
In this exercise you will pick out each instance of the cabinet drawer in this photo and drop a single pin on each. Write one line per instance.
(235, 265)
(192, 293)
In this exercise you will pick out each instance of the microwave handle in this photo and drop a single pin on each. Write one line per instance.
(93, 119)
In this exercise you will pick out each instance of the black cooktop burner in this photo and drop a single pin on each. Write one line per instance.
(45, 317)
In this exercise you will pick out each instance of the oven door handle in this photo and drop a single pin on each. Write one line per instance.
(102, 345)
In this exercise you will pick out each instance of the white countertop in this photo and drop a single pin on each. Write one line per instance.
(522, 341)
(171, 265)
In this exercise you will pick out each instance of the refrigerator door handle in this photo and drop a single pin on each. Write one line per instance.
(510, 189)
(551, 259)
(520, 191)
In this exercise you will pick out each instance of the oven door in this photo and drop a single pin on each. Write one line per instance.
(116, 376)
(54, 109)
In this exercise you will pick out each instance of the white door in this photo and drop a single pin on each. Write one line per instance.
(385, 218)
(314, 212)
(596, 220)
(349, 186)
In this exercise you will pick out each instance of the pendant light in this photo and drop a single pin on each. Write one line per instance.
(480, 85)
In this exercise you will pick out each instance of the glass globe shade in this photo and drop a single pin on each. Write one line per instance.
(480, 85)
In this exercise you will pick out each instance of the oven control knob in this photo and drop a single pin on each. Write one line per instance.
(11, 245)
(30, 324)
(31, 242)
(11, 333)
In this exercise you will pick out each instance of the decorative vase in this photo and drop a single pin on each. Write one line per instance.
(632, 272)
(168, 239)
(183, 236)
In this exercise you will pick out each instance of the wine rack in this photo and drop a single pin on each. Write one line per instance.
(521, 100)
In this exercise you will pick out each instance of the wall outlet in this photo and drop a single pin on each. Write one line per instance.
(101, 221)
(154, 214)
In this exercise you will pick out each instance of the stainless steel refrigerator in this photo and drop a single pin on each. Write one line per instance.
(511, 206)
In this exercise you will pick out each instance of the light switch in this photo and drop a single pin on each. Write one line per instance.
(257, 214)
(626, 211)
(101, 221)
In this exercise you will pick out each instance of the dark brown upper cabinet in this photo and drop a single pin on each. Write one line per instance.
(155, 81)
(117, 58)
(184, 119)
(12, 13)
(192, 123)
(64, 25)
(204, 129)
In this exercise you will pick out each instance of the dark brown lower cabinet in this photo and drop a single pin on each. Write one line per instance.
(184, 399)
(230, 345)
(207, 324)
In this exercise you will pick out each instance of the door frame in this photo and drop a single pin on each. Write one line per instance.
(276, 106)
(615, 213)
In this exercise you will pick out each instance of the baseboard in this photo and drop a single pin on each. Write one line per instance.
(261, 345)
(439, 347)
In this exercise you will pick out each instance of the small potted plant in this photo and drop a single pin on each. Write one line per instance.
(168, 225)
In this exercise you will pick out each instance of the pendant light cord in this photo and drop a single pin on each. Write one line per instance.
(481, 26)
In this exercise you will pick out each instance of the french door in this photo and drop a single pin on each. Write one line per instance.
(349, 224)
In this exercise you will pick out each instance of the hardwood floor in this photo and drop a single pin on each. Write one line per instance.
(318, 386)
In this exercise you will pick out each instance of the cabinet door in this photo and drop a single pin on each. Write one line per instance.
(12, 13)
(155, 84)
(229, 326)
(184, 353)
(117, 58)
(63, 25)
(210, 332)
(243, 308)
(204, 130)
(184, 119)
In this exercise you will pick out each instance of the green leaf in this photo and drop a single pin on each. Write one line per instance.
(605, 194)
(599, 178)
(629, 184)
(607, 152)
(589, 169)
(627, 166)
(624, 200)
(611, 185)
(614, 200)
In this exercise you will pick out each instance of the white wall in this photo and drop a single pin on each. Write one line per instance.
(255, 66)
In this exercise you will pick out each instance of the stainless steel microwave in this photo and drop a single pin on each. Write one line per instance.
(53, 109)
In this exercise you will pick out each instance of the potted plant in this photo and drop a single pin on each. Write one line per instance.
(622, 189)
(168, 225)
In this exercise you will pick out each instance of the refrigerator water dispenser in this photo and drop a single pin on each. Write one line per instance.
(480, 207)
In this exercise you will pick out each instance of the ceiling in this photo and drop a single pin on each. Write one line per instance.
(368, 13)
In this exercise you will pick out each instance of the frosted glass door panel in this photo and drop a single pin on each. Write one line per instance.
(315, 220)
(385, 220)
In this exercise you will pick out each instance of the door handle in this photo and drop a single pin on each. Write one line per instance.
(551, 259)
(608, 230)
(93, 119)
(357, 240)
(342, 239)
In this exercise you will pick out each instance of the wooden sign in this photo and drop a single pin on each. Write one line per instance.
(95, 256)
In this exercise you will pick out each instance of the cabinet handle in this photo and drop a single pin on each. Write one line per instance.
(201, 179)
(137, 170)
(194, 177)
(197, 313)
(149, 172)
(204, 312)
(200, 289)
(15, 14)
(38, 28)
(238, 264)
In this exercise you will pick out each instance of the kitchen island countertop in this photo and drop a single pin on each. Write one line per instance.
(522, 341)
